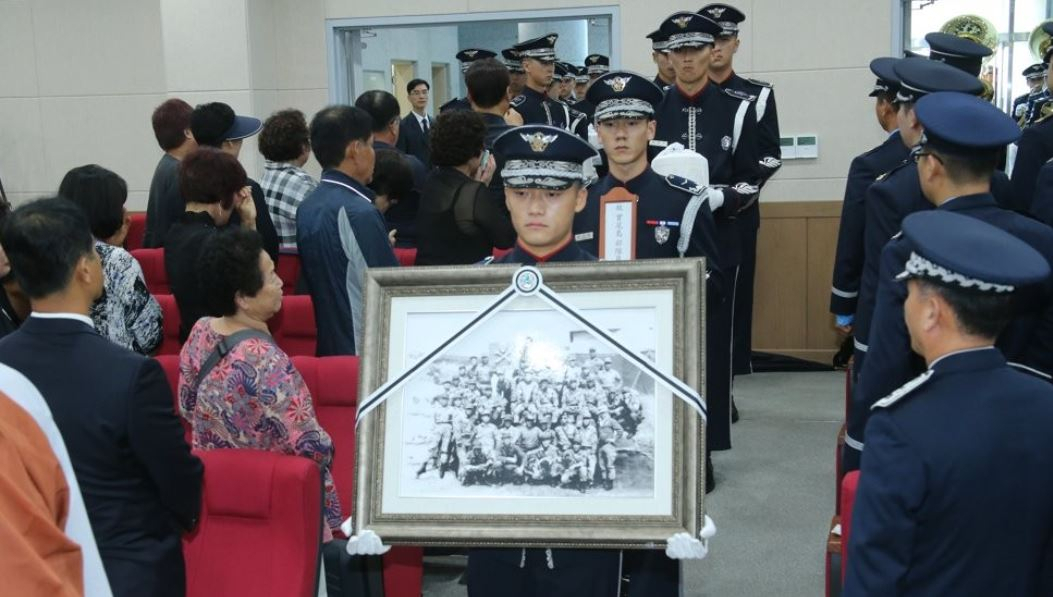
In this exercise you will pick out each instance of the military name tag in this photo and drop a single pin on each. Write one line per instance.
(618, 225)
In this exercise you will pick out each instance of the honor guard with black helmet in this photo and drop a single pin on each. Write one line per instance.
(1035, 148)
(544, 187)
(514, 63)
(466, 57)
(538, 57)
(954, 492)
(865, 168)
(896, 194)
(596, 65)
(955, 159)
(722, 71)
(665, 76)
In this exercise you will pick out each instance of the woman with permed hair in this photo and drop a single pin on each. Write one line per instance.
(459, 222)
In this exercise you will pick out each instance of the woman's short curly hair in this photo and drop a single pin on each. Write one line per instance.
(284, 136)
(456, 138)
(229, 264)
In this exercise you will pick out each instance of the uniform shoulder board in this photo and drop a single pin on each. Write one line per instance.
(890, 172)
(740, 95)
(517, 101)
(683, 184)
(897, 235)
(759, 83)
(903, 390)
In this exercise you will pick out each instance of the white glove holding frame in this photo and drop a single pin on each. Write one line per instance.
(366, 544)
(682, 546)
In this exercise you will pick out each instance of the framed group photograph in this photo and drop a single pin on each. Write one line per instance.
(537, 425)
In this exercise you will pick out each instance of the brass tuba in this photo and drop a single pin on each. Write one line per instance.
(1039, 42)
(980, 30)
(974, 28)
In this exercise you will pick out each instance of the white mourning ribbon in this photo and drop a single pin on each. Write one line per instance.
(527, 281)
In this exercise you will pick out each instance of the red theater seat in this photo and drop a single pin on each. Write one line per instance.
(406, 256)
(136, 232)
(169, 325)
(333, 382)
(153, 263)
(260, 529)
(170, 364)
(849, 485)
(293, 327)
(289, 271)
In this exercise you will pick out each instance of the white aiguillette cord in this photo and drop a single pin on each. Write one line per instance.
(527, 281)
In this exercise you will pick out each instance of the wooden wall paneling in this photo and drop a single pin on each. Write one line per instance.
(822, 246)
(779, 308)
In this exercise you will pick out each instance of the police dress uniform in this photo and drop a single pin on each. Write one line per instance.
(864, 170)
(535, 106)
(890, 199)
(963, 125)
(955, 490)
(1035, 72)
(539, 156)
(659, 43)
(748, 221)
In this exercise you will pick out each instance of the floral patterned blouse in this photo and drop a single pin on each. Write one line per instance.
(126, 313)
(253, 398)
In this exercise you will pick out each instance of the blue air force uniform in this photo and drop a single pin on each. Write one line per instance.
(891, 198)
(957, 480)
(864, 170)
(1028, 340)
(555, 157)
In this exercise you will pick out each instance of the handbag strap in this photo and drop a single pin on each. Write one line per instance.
(223, 348)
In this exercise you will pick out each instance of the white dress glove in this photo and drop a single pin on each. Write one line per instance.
(682, 546)
(366, 544)
(715, 198)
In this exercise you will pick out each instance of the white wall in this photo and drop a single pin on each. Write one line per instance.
(79, 78)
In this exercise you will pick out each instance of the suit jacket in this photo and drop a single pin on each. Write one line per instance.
(412, 139)
(403, 215)
(115, 411)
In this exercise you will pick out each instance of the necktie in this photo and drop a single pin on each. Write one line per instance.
(424, 125)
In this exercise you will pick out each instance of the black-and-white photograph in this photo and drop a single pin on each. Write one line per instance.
(549, 411)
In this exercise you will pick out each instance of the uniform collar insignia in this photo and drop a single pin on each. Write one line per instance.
(903, 390)
(682, 21)
(539, 141)
(617, 83)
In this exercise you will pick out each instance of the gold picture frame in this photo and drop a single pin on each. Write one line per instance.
(657, 304)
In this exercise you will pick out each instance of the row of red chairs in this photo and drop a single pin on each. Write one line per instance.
(293, 327)
(840, 525)
(333, 382)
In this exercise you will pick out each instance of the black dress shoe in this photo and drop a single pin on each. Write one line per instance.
(734, 411)
(711, 480)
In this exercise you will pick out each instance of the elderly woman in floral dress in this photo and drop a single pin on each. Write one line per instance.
(253, 397)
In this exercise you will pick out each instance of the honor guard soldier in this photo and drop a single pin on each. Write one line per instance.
(596, 65)
(581, 83)
(568, 73)
(671, 218)
(665, 76)
(1036, 144)
(544, 188)
(955, 491)
(896, 194)
(514, 63)
(721, 125)
(466, 58)
(959, 52)
(1039, 107)
(1035, 75)
(955, 160)
(722, 71)
(865, 168)
(539, 62)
